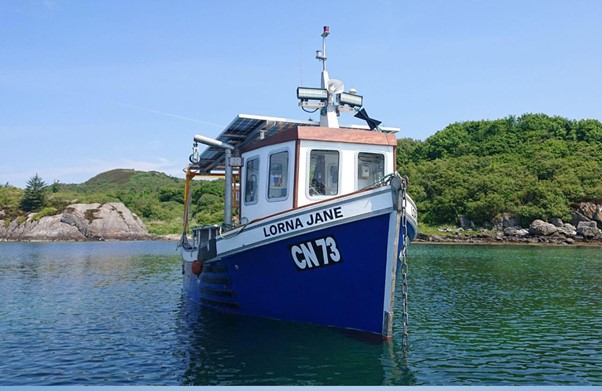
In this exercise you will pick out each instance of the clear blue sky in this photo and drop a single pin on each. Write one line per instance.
(88, 86)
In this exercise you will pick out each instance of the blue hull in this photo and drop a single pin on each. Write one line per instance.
(344, 286)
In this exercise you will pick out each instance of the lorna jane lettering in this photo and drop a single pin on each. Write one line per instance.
(309, 220)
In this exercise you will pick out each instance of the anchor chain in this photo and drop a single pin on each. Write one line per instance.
(403, 257)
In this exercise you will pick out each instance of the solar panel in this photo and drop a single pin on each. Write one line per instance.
(243, 130)
(246, 129)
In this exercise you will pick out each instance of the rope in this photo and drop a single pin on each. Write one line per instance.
(221, 230)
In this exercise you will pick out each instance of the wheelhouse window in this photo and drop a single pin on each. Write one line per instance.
(251, 181)
(370, 168)
(278, 185)
(323, 172)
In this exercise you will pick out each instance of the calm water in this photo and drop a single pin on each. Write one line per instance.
(113, 314)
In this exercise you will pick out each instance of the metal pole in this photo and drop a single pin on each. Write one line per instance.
(228, 185)
(228, 192)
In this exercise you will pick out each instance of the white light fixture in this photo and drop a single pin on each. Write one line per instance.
(306, 93)
(351, 99)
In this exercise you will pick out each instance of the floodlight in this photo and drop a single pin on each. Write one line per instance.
(351, 99)
(306, 93)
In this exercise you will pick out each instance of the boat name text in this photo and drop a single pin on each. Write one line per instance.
(312, 219)
(315, 253)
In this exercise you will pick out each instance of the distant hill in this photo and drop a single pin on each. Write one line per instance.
(157, 198)
(126, 179)
(118, 176)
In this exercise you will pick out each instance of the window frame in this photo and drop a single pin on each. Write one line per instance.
(326, 167)
(258, 182)
(357, 167)
(285, 173)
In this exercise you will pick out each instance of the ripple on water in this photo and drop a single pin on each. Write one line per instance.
(112, 314)
(506, 316)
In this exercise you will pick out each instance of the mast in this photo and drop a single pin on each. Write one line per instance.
(331, 99)
(328, 114)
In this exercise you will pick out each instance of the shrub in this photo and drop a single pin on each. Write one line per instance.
(48, 211)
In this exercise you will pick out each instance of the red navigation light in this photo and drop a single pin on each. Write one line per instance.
(326, 31)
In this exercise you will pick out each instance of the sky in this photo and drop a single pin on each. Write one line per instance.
(87, 86)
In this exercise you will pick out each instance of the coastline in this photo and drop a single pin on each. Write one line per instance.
(481, 239)
(506, 243)
(501, 240)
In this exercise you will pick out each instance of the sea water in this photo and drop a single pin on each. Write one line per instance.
(112, 313)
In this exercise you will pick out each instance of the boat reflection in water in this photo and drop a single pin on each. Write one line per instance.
(224, 349)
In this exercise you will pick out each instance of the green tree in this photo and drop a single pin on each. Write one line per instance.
(532, 166)
(10, 197)
(174, 193)
(589, 130)
(55, 187)
(34, 197)
(407, 149)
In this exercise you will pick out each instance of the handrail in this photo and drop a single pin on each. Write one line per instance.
(187, 199)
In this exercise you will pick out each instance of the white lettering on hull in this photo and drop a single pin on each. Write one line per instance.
(315, 253)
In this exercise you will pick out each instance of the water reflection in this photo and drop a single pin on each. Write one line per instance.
(506, 315)
(112, 314)
(88, 313)
(234, 350)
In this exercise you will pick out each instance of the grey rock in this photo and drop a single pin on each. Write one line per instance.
(508, 221)
(505, 221)
(465, 223)
(577, 217)
(556, 222)
(72, 218)
(568, 230)
(589, 230)
(520, 232)
(541, 228)
(50, 228)
(111, 221)
(115, 221)
(591, 211)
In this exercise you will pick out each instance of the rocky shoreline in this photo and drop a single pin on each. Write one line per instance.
(78, 222)
(584, 229)
(539, 232)
(114, 221)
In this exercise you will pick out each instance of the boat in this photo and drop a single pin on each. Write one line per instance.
(316, 221)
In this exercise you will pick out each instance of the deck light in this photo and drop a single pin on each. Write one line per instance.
(351, 99)
(306, 93)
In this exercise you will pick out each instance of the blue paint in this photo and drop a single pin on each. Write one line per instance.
(265, 281)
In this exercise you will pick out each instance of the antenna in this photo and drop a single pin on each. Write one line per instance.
(321, 54)
(325, 96)
(331, 99)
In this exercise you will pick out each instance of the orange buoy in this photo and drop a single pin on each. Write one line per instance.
(197, 267)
